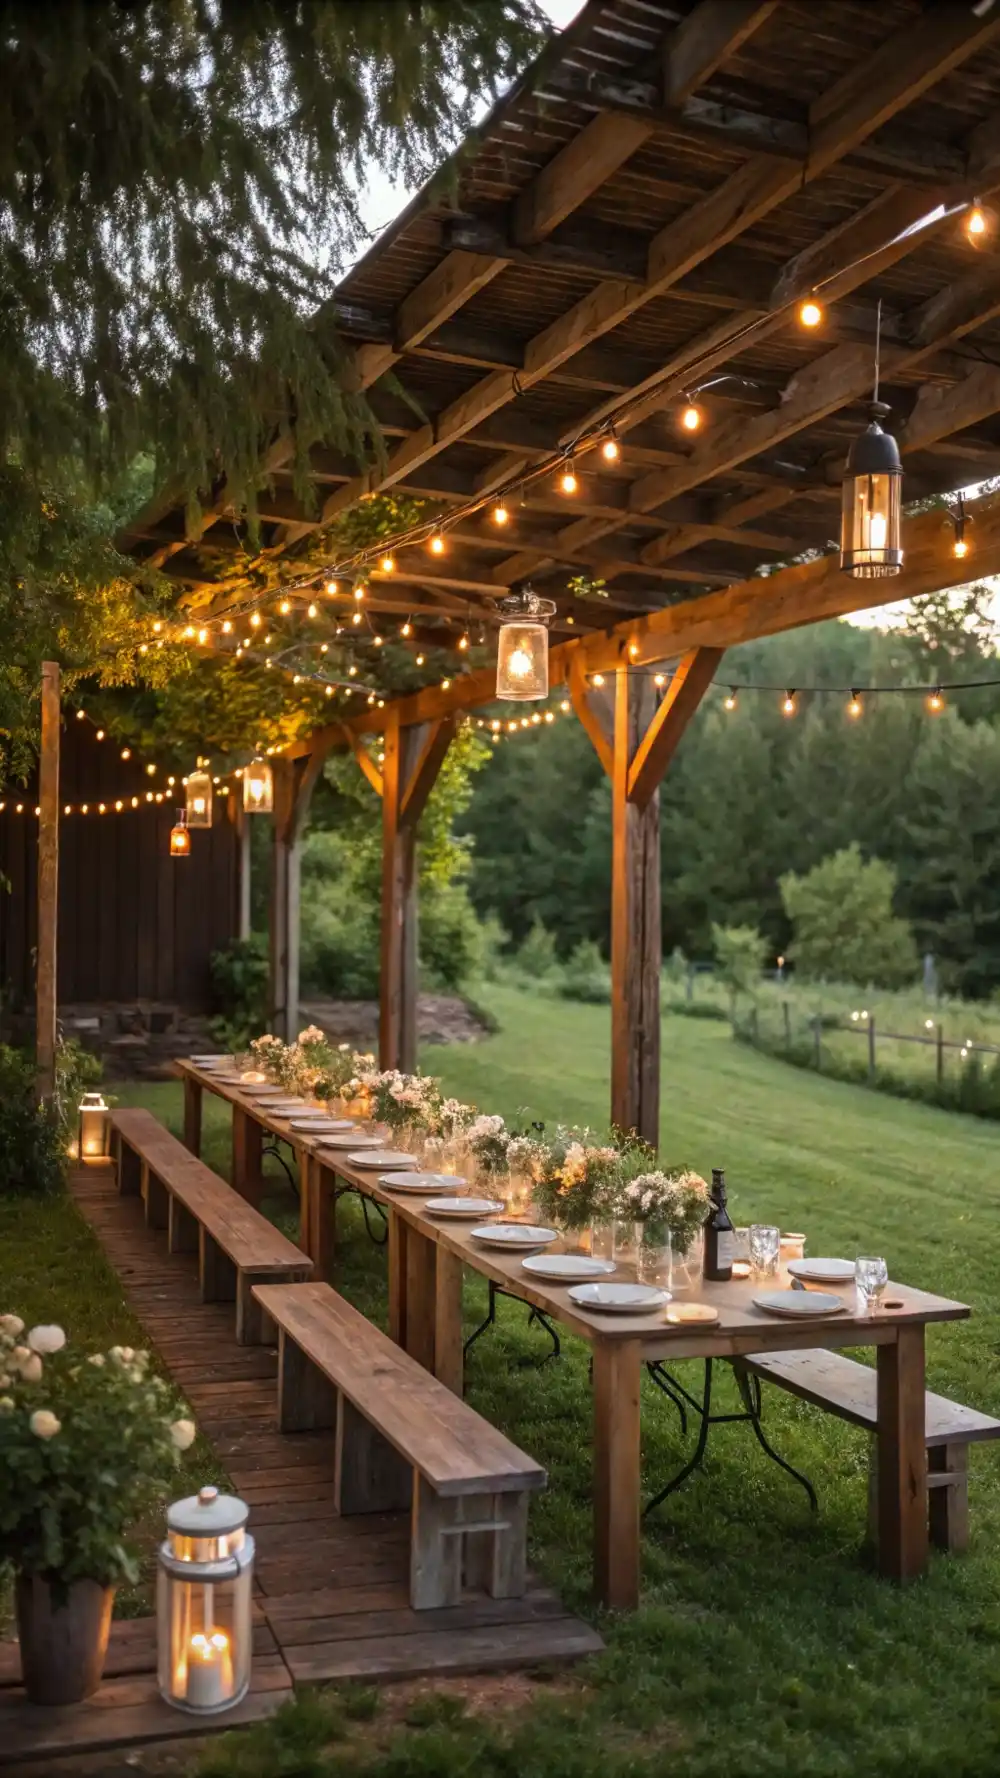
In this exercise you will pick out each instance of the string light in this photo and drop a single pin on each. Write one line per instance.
(436, 544)
(356, 619)
(80, 715)
(359, 592)
(854, 707)
(691, 417)
(387, 565)
(226, 627)
(789, 706)
(961, 521)
(658, 678)
(976, 225)
(611, 449)
(598, 680)
(331, 589)
(100, 734)
(406, 629)
(255, 620)
(463, 642)
(420, 660)
(935, 702)
(500, 515)
(285, 607)
(313, 611)
(730, 702)
(810, 312)
(568, 482)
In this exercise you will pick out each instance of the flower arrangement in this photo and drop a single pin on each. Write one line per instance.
(404, 1101)
(489, 1140)
(670, 1205)
(575, 1179)
(87, 1446)
(310, 1065)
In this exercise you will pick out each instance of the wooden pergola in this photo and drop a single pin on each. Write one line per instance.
(636, 222)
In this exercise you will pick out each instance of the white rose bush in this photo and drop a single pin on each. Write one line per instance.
(88, 1445)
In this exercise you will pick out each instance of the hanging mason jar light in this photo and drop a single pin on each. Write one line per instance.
(180, 839)
(199, 799)
(258, 787)
(523, 647)
(870, 522)
(203, 1603)
(94, 1127)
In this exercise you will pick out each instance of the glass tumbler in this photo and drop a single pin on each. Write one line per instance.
(765, 1249)
(871, 1275)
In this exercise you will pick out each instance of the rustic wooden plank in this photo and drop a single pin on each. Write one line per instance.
(449, 1355)
(371, 1475)
(690, 681)
(578, 169)
(440, 1651)
(299, 1627)
(30, 1732)
(848, 1389)
(710, 34)
(192, 1113)
(635, 922)
(307, 1400)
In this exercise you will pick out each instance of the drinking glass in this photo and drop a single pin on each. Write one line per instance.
(871, 1275)
(765, 1249)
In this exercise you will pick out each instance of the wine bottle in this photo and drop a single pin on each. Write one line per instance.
(719, 1239)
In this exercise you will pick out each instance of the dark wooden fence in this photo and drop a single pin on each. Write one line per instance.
(134, 924)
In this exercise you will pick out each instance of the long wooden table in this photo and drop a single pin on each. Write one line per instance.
(426, 1260)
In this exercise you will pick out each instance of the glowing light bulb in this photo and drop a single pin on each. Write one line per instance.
(387, 564)
(854, 708)
(568, 482)
(126, 753)
(960, 548)
(565, 706)
(975, 223)
(202, 635)
(157, 627)
(359, 592)
(876, 530)
(729, 703)
(598, 679)
(519, 663)
(436, 544)
(285, 607)
(935, 702)
(100, 734)
(788, 707)
(659, 679)
(420, 660)
(406, 629)
(445, 684)
(500, 514)
(378, 640)
(810, 312)
(226, 627)
(356, 619)
(611, 450)
(188, 631)
(633, 649)
(313, 611)
(463, 642)
(691, 417)
(331, 589)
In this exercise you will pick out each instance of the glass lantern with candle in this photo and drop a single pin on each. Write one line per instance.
(199, 800)
(180, 839)
(523, 647)
(204, 1583)
(258, 788)
(870, 527)
(94, 1127)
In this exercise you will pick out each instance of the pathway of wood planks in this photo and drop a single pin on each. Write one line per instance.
(331, 1593)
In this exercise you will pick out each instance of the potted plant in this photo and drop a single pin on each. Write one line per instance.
(87, 1446)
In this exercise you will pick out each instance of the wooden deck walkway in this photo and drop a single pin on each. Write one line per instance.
(331, 1593)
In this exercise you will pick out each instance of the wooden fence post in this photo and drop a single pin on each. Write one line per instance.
(788, 1023)
(46, 966)
(940, 1053)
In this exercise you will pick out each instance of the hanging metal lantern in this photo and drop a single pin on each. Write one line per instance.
(199, 799)
(258, 788)
(871, 525)
(204, 1626)
(523, 647)
(180, 839)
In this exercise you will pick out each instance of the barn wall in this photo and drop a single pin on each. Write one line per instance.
(134, 923)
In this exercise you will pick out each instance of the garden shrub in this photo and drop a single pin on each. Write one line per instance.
(239, 986)
(33, 1137)
(586, 976)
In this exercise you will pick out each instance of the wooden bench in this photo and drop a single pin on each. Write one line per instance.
(404, 1440)
(848, 1389)
(236, 1245)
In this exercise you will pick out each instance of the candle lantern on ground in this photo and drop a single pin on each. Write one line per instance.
(258, 788)
(199, 800)
(94, 1127)
(523, 647)
(204, 1583)
(180, 839)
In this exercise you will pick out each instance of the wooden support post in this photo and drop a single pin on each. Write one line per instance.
(449, 1358)
(635, 741)
(294, 782)
(413, 758)
(46, 983)
(617, 1382)
(246, 1173)
(192, 1113)
(902, 1456)
(244, 831)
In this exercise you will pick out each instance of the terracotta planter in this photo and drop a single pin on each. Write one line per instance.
(63, 1636)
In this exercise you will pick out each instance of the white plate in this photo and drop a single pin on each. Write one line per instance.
(320, 1126)
(567, 1268)
(417, 1182)
(463, 1207)
(353, 1139)
(514, 1234)
(620, 1299)
(796, 1303)
(823, 1271)
(213, 1061)
(389, 1158)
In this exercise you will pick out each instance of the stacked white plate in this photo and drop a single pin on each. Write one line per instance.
(822, 1271)
(620, 1299)
(514, 1235)
(319, 1125)
(567, 1268)
(353, 1139)
(463, 1209)
(799, 1305)
(417, 1182)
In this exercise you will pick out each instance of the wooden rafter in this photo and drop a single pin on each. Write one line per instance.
(691, 679)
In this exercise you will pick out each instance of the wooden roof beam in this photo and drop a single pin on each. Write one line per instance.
(713, 32)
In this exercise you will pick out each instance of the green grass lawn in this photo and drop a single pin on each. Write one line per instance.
(764, 1645)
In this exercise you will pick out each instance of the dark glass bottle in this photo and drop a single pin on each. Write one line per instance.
(719, 1240)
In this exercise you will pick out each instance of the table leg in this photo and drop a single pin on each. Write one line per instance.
(617, 1380)
(307, 1213)
(247, 1144)
(421, 1275)
(449, 1358)
(398, 1232)
(323, 1199)
(192, 1114)
(902, 1456)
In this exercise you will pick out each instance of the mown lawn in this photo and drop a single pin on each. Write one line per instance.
(764, 1645)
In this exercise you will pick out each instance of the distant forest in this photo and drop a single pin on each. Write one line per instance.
(753, 794)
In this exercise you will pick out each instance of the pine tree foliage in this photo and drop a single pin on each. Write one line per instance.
(178, 191)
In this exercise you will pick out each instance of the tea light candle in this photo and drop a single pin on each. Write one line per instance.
(793, 1247)
(209, 1671)
(741, 1268)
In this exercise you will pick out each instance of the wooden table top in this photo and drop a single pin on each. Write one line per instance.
(741, 1328)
